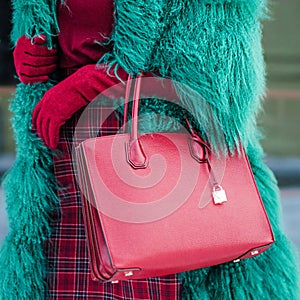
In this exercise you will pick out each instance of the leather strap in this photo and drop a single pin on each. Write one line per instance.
(135, 154)
(126, 101)
(135, 108)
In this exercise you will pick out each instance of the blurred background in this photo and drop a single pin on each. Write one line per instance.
(280, 121)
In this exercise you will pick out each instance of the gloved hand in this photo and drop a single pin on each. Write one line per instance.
(67, 97)
(34, 62)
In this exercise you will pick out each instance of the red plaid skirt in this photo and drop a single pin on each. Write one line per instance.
(69, 274)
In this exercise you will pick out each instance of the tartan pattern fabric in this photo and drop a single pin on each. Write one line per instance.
(69, 275)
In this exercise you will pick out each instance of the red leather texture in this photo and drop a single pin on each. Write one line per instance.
(161, 219)
(189, 237)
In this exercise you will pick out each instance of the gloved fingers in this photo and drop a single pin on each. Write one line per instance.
(39, 50)
(45, 128)
(39, 118)
(33, 79)
(39, 61)
(43, 125)
(31, 71)
(25, 45)
(109, 86)
(121, 73)
(40, 39)
(52, 134)
(34, 61)
(46, 124)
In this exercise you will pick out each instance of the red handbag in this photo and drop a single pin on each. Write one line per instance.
(163, 203)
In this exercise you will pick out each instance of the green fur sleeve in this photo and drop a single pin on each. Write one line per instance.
(33, 18)
(30, 185)
(211, 46)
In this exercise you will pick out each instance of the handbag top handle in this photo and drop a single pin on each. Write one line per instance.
(135, 108)
(135, 111)
(135, 154)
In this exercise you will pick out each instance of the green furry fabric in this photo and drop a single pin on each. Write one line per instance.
(30, 186)
(213, 47)
(30, 190)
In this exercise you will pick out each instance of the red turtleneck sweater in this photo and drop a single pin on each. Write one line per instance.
(82, 22)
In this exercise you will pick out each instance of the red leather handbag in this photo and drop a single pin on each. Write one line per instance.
(163, 203)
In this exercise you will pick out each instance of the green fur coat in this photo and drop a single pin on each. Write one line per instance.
(212, 46)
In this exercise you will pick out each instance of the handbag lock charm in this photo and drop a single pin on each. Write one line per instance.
(219, 195)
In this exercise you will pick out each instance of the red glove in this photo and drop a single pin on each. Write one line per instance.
(33, 61)
(68, 96)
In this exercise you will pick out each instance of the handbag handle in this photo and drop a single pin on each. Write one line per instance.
(136, 156)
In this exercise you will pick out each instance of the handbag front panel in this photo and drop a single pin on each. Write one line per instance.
(162, 219)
